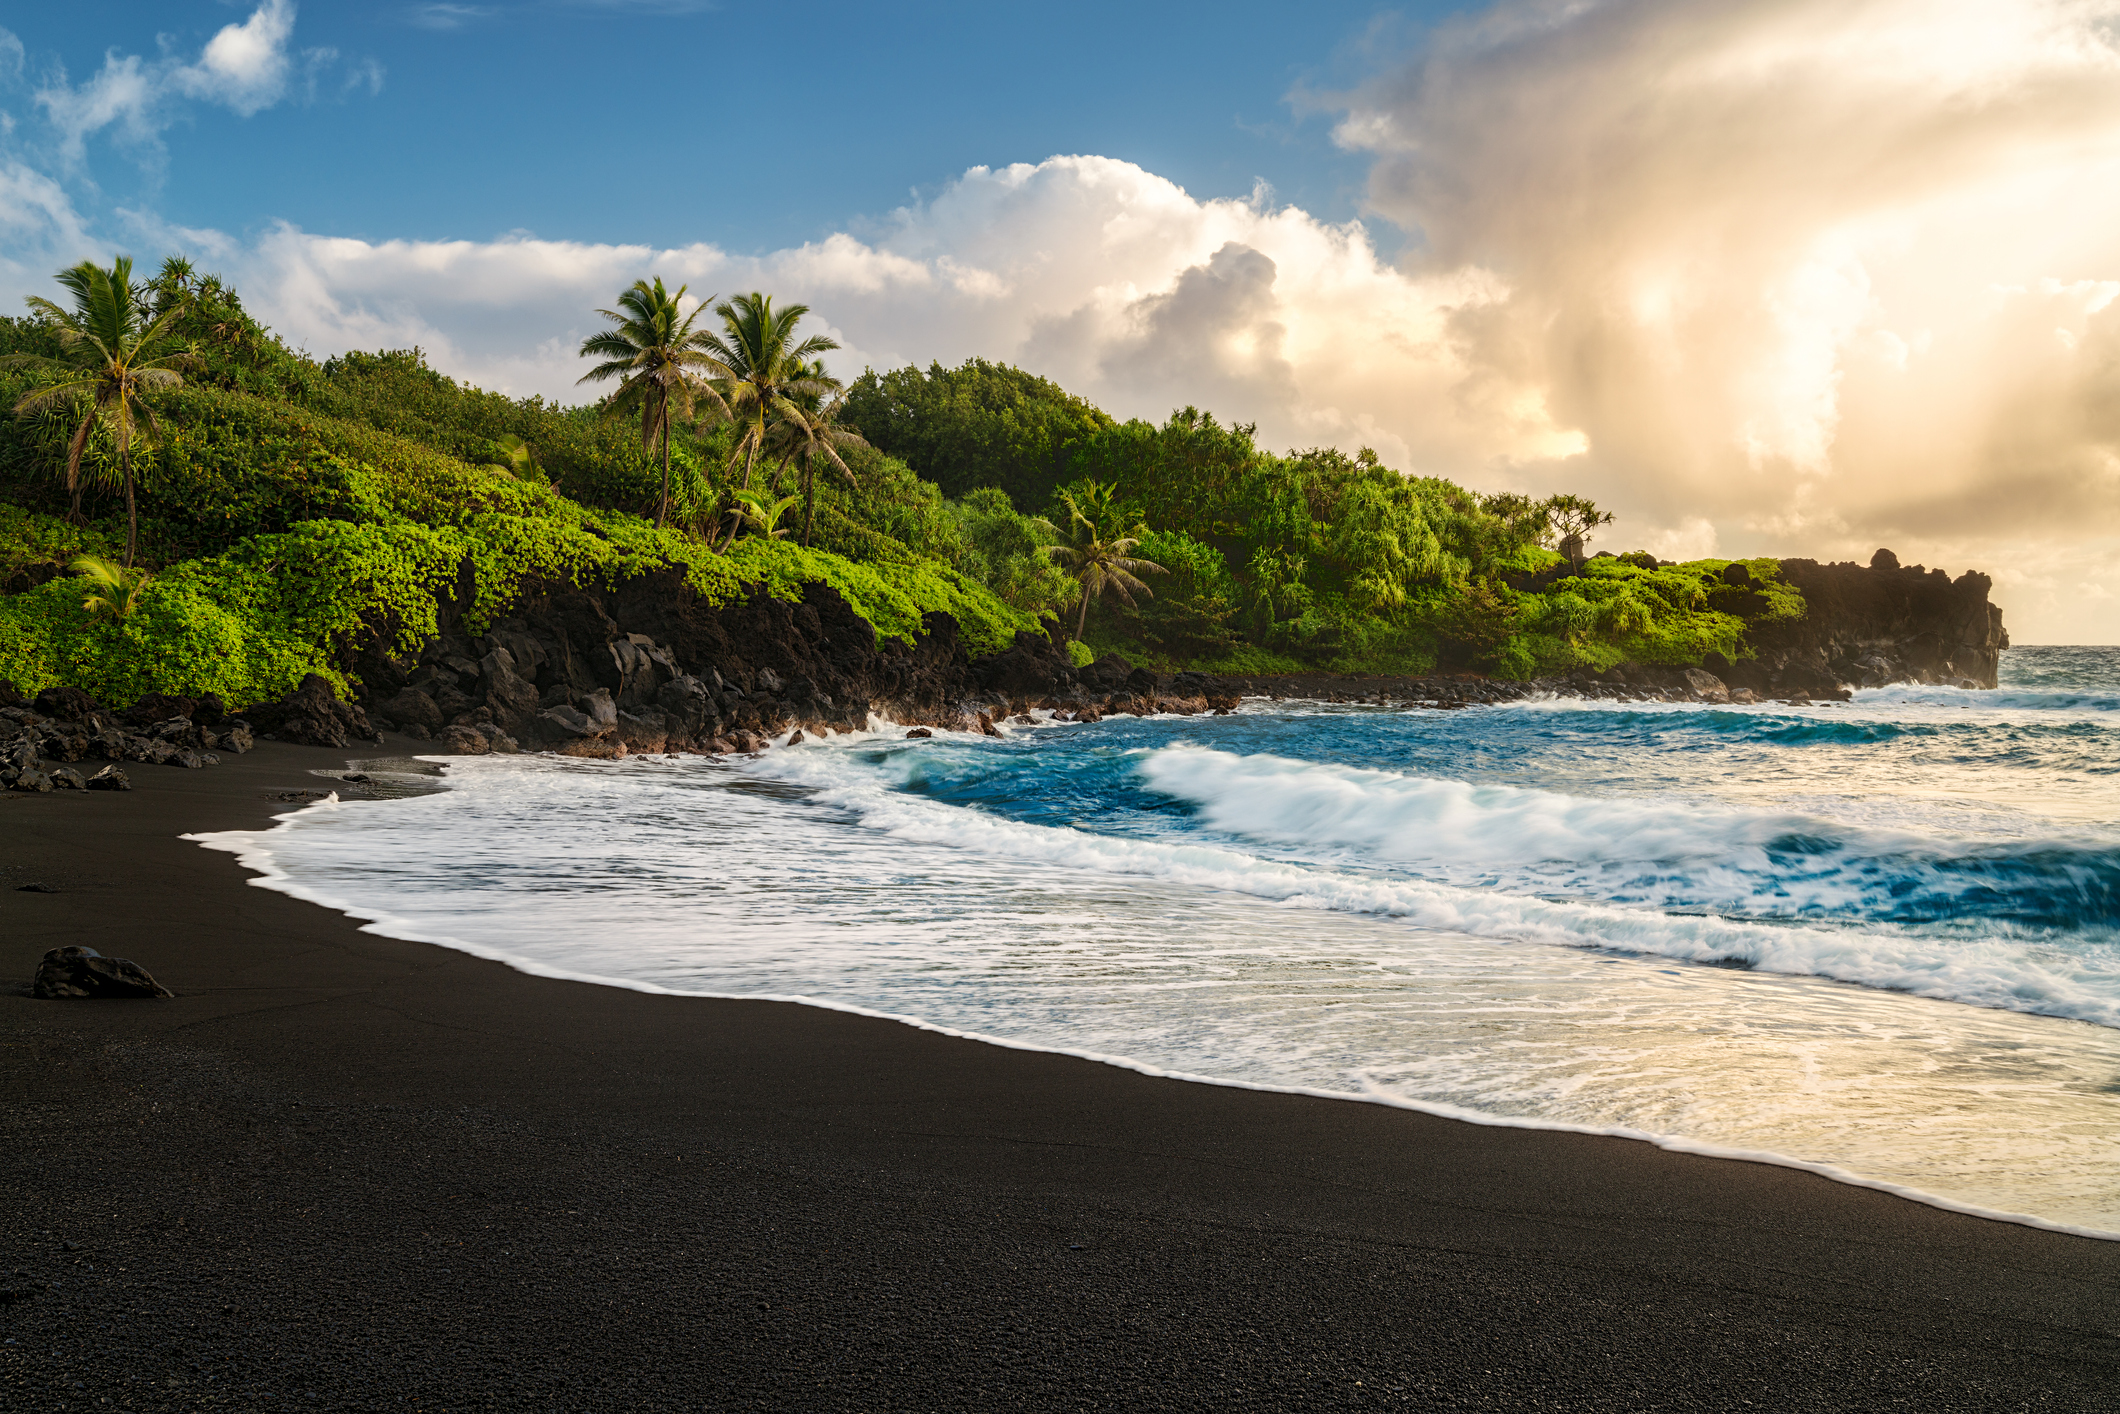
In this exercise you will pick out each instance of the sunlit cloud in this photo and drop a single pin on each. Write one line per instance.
(1811, 267)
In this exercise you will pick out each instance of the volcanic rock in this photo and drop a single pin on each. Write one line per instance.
(1706, 686)
(84, 972)
(65, 703)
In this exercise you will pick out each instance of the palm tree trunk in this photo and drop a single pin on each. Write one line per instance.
(750, 455)
(1083, 617)
(809, 501)
(132, 510)
(662, 512)
(73, 467)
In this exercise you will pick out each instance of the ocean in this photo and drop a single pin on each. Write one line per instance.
(1878, 939)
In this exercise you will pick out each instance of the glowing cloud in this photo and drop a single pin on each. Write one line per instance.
(1823, 272)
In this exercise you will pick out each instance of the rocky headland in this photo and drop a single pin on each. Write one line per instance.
(649, 667)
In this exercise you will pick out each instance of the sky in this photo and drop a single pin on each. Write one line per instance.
(1796, 277)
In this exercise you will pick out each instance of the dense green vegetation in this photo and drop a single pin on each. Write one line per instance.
(1311, 559)
(289, 508)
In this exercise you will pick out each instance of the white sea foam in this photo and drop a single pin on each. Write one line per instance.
(2083, 985)
(2003, 699)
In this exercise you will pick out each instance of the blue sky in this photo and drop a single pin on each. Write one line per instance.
(749, 126)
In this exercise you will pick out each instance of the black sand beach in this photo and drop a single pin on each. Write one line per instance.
(345, 1172)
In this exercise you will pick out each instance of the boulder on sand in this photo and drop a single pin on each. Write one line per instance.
(84, 972)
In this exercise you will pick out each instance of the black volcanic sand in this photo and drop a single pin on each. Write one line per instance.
(345, 1172)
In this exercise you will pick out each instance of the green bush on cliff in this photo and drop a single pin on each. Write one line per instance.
(250, 622)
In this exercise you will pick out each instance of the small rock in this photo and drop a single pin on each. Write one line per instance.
(84, 972)
(189, 760)
(795, 737)
(67, 778)
(109, 778)
(36, 888)
(32, 782)
(918, 732)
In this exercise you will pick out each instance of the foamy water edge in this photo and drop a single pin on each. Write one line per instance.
(252, 851)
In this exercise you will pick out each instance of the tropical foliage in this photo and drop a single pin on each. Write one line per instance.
(657, 356)
(114, 352)
(282, 511)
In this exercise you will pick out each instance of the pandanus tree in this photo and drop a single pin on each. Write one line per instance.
(1098, 555)
(664, 366)
(762, 371)
(114, 353)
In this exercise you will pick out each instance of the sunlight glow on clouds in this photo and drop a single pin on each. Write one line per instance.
(1823, 272)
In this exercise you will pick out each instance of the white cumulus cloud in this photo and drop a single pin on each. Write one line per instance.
(246, 67)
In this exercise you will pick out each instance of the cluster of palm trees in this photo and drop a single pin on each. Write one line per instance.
(754, 373)
(116, 349)
(757, 374)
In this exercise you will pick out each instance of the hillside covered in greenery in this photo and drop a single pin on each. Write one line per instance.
(288, 509)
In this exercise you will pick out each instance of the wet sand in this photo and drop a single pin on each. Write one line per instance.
(341, 1171)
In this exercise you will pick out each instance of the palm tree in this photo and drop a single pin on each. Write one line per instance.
(762, 371)
(814, 437)
(1097, 555)
(110, 359)
(658, 355)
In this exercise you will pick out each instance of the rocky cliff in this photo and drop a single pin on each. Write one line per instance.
(1869, 625)
(650, 667)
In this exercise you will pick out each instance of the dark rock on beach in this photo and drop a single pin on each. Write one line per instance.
(84, 972)
(312, 715)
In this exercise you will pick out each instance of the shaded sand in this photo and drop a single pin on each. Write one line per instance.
(346, 1172)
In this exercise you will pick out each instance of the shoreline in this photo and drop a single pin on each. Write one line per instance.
(267, 875)
(946, 1223)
